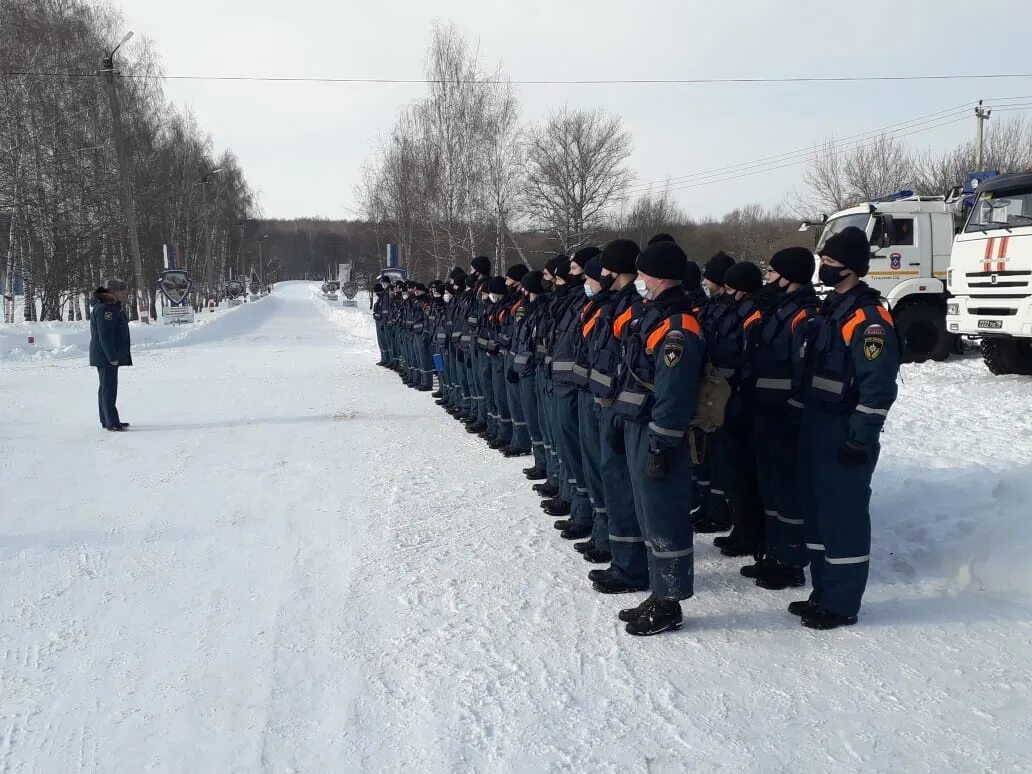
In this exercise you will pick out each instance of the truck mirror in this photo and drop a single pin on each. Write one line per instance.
(887, 223)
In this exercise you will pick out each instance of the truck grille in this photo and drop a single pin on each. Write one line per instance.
(991, 311)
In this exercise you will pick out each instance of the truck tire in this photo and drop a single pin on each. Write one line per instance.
(922, 332)
(1007, 356)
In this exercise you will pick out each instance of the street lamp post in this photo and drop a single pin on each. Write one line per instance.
(261, 258)
(125, 177)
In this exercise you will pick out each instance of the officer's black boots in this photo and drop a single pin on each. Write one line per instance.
(803, 607)
(607, 584)
(498, 443)
(536, 474)
(546, 489)
(437, 394)
(629, 614)
(563, 524)
(584, 547)
(781, 577)
(597, 575)
(576, 532)
(476, 427)
(760, 569)
(732, 545)
(557, 507)
(663, 616)
(509, 451)
(705, 526)
(595, 556)
(819, 618)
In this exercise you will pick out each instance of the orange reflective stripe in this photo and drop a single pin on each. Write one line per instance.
(751, 320)
(801, 315)
(688, 323)
(589, 326)
(657, 336)
(850, 326)
(621, 322)
(886, 315)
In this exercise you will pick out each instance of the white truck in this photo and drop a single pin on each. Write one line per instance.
(911, 237)
(990, 274)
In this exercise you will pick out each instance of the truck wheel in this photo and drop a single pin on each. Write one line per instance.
(922, 331)
(1007, 356)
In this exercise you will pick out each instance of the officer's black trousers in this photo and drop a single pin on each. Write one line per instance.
(107, 395)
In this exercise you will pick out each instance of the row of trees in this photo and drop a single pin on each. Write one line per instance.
(59, 176)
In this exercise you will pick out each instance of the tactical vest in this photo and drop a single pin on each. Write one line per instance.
(828, 356)
(605, 355)
(727, 344)
(524, 358)
(565, 369)
(770, 372)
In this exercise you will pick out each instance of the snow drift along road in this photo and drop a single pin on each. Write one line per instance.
(293, 563)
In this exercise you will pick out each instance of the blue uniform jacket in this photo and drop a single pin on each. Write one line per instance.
(109, 331)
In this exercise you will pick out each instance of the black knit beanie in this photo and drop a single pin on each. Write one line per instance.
(585, 254)
(795, 264)
(558, 266)
(663, 260)
(497, 285)
(744, 276)
(531, 281)
(481, 265)
(619, 256)
(517, 272)
(593, 268)
(851, 248)
(662, 237)
(717, 266)
(692, 276)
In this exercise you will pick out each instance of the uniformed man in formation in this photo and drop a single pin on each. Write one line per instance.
(655, 398)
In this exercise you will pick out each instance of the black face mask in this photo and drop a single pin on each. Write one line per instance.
(830, 275)
(771, 292)
(607, 282)
(547, 285)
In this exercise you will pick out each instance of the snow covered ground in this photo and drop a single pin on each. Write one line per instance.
(295, 564)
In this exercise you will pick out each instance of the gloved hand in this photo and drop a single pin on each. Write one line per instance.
(512, 377)
(853, 455)
(460, 356)
(657, 465)
(617, 440)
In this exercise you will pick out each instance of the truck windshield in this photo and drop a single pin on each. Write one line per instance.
(862, 221)
(997, 210)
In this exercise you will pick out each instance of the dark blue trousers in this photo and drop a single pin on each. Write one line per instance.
(107, 395)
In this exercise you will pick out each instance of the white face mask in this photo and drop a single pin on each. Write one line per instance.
(405, 295)
(448, 297)
(495, 297)
(588, 291)
(639, 285)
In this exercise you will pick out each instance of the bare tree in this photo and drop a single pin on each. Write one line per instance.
(576, 168)
(648, 215)
(841, 176)
(1007, 148)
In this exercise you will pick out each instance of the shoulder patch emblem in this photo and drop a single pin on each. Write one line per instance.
(875, 330)
(873, 347)
(108, 316)
(673, 349)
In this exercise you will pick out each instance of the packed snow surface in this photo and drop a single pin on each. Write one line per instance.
(292, 563)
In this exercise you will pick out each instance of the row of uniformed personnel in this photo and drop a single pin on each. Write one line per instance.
(594, 365)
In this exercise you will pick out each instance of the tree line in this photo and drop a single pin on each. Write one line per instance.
(63, 230)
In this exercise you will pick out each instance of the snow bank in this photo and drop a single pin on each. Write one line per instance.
(61, 340)
(356, 320)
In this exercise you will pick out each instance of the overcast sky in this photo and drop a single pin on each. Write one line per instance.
(303, 145)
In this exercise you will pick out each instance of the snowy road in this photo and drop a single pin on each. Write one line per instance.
(295, 564)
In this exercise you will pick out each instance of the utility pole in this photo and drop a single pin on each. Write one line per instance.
(125, 176)
(981, 116)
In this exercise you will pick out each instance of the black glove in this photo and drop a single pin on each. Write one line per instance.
(657, 465)
(617, 441)
(512, 377)
(460, 356)
(853, 455)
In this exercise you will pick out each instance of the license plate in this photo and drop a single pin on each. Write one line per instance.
(990, 324)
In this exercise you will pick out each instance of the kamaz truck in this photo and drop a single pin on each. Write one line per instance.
(990, 274)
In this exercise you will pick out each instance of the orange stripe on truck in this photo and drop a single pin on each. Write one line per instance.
(1002, 254)
(987, 259)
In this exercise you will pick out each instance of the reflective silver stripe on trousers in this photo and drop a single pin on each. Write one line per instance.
(665, 431)
(634, 398)
(828, 385)
(562, 365)
(727, 373)
(815, 546)
(717, 491)
(605, 381)
(794, 403)
(786, 520)
(601, 510)
(774, 384)
(522, 359)
(618, 539)
(848, 559)
(519, 424)
(868, 410)
(536, 443)
(580, 370)
(669, 554)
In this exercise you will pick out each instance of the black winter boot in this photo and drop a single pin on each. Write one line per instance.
(629, 614)
(782, 577)
(611, 585)
(595, 556)
(663, 616)
(819, 618)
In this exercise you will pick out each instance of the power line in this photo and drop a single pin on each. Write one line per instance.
(807, 151)
(531, 82)
(699, 184)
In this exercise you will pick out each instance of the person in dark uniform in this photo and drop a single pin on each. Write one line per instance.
(774, 377)
(852, 361)
(663, 357)
(109, 348)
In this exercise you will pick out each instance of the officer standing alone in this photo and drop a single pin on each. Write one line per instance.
(109, 348)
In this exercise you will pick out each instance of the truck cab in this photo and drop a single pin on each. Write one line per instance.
(911, 237)
(990, 274)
